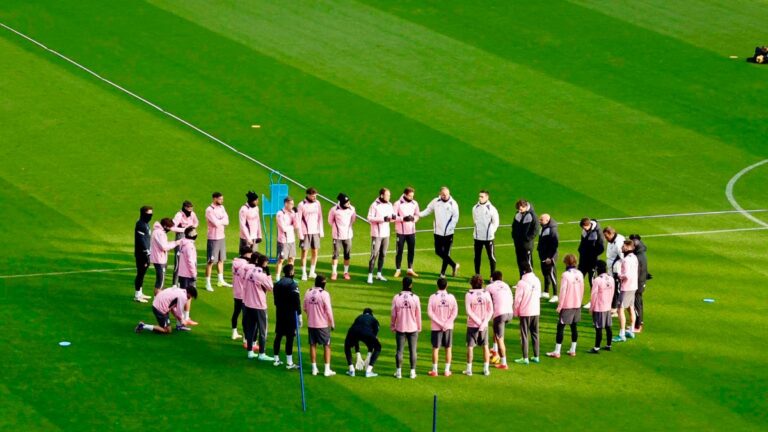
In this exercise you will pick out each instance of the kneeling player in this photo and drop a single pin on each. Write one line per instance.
(167, 301)
(365, 329)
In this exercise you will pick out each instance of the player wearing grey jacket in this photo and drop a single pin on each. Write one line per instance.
(486, 221)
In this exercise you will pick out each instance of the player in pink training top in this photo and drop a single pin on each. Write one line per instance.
(239, 272)
(183, 219)
(528, 309)
(442, 311)
(317, 305)
(257, 284)
(250, 223)
(479, 307)
(217, 220)
(406, 324)
(628, 276)
(158, 251)
(407, 212)
(569, 305)
(167, 301)
(188, 267)
(341, 217)
(380, 214)
(310, 224)
(501, 295)
(286, 234)
(600, 305)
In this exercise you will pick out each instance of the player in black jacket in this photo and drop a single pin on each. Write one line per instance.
(365, 329)
(287, 304)
(549, 240)
(642, 278)
(591, 246)
(141, 242)
(524, 228)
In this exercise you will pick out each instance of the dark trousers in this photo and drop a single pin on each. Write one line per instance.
(255, 325)
(159, 275)
(443, 250)
(523, 252)
(639, 306)
(615, 302)
(402, 240)
(175, 281)
(529, 327)
(400, 338)
(489, 250)
(236, 313)
(289, 336)
(142, 264)
(354, 338)
(599, 336)
(549, 271)
(561, 330)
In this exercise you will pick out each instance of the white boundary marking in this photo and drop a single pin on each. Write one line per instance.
(732, 200)
(678, 234)
(169, 114)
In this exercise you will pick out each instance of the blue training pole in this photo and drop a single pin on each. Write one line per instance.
(301, 365)
(434, 414)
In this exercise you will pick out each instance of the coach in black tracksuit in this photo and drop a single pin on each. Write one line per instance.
(141, 242)
(287, 304)
(365, 329)
(549, 240)
(524, 228)
(642, 277)
(591, 246)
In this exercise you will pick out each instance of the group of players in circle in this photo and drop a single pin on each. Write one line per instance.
(617, 283)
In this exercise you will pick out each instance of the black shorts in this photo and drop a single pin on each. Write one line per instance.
(570, 316)
(163, 320)
(601, 319)
(478, 337)
(498, 324)
(442, 339)
(285, 325)
(320, 336)
(185, 282)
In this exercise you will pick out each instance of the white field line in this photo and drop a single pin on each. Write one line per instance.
(169, 114)
(732, 200)
(678, 234)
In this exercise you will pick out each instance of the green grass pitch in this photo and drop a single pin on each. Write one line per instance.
(585, 107)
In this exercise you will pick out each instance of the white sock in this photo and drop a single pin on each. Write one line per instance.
(314, 366)
(137, 294)
(304, 269)
(234, 331)
(208, 280)
(557, 348)
(504, 360)
(351, 368)
(289, 359)
(346, 269)
(359, 357)
(434, 367)
(369, 369)
(221, 277)
(410, 269)
(485, 367)
(496, 347)
(368, 358)
(469, 367)
(621, 333)
(335, 266)
(312, 269)
(378, 274)
(447, 367)
(327, 367)
(149, 327)
(573, 347)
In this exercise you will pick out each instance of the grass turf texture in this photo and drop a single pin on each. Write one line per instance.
(583, 107)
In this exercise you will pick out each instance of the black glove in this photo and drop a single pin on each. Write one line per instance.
(408, 219)
(296, 210)
(257, 241)
(386, 218)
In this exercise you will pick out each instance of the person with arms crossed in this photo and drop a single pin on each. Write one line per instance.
(317, 305)
(250, 223)
(407, 212)
(446, 212)
(310, 226)
(486, 222)
(341, 217)
(406, 324)
(380, 214)
(591, 246)
(217, 220)
(442, 310)
(549, 241)
(524, 227)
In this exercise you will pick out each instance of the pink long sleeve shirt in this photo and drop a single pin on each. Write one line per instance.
(402, 209)
(603, 287)
(164, 302)
(159, 245)
(286, 226)
(187, 258)
(376, 214)
(406, 313)
(317, 305)
(255, 289)
(341, 220)
(250, 223)
(571, 289)
(501, 295)
(217, 219)
(310, 218)
(628, 272)
(239, 271)
(442, 310)
(527, 296)
(479, 307)
(182, 221)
